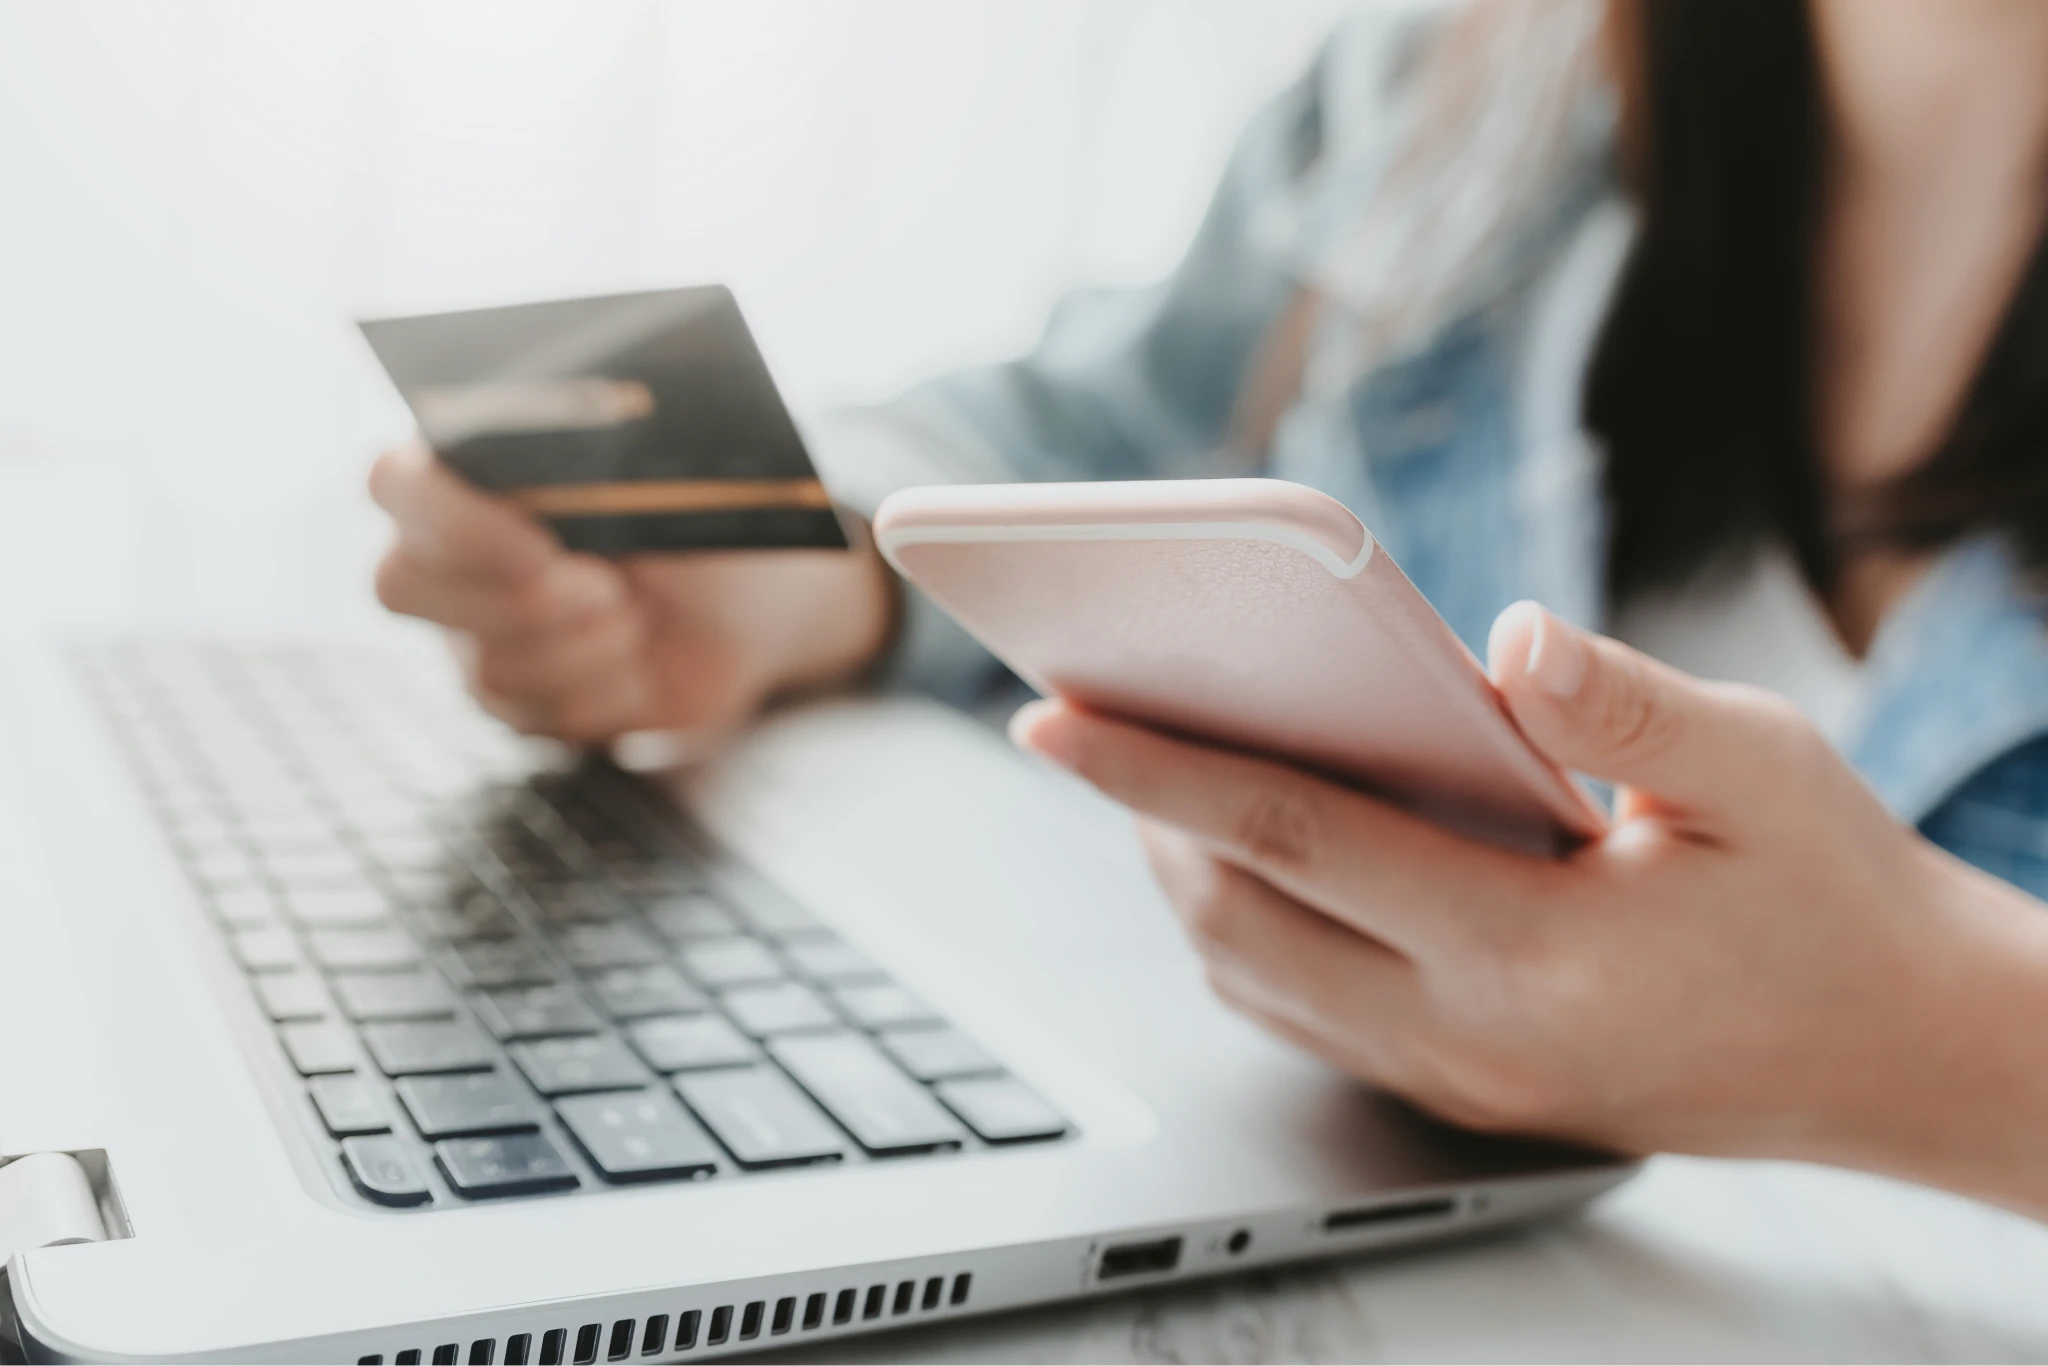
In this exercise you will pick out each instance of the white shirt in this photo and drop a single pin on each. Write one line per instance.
(1758, 623)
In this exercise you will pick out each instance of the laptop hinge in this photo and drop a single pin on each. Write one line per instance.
(46, 1199)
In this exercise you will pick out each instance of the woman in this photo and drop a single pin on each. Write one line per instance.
(1722, 324)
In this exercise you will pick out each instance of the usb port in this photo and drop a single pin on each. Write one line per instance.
(1138, 1259)
(1399, 1212)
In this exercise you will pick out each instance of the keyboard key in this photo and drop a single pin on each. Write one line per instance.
(776, 916)
(266, 798)
(830, 960)
(422, 886)
(393, 995)
(571, 903)
(557, 1067)
(881, 1005)
(884, 1110)
(403, 1047)
(935, 1054)
(612, 849)
(536, 1012)
(692, 915)
(729, 962)
(501, 963)
(383, 1169)
(785, 1008)
(638, 1135)
(280, 825)
(249, 909)
(295, 995)
(1001, 1109)
(580, 816)
(264, 950)
(349, 1105)
(379, 809)
(332, 868)
(525, 852)
(511, 1164)
(318, 1047)
(686, 1043)
(590, 947)
(472, 1103)
(297, 839)
(761, 1117)
(417, 849)
(657, 879)
(656, 989)
(468, 915)
(224, 869)
(196, 828)
(363, 950)
(347, 908)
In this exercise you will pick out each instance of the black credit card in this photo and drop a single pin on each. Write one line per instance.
(631, 422)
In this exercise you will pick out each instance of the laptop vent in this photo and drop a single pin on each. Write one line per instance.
(701, 1327)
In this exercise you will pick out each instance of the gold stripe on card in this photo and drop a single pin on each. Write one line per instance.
(669, 495)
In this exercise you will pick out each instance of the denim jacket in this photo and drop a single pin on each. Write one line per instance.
(1452, 428)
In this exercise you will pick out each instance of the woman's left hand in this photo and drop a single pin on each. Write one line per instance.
(1756, 959)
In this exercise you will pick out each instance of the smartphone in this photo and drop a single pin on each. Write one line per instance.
(1251, 613)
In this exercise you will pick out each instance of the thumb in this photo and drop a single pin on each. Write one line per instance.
(1598, 707)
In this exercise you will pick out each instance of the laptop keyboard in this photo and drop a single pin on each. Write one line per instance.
(495, 975)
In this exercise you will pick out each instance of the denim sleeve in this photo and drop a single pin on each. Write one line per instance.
(1124, 384)
(1998, 820)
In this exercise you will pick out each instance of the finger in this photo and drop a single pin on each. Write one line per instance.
(558, 662)
(1386, 873)
(447, 522)
(594, 713)
(1269, 953)
(605, 709)
(569, 589)
(1594, 705)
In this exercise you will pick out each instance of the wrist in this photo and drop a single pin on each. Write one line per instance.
(851, 620)
(1958, 1096)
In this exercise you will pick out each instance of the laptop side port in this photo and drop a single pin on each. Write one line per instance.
(1138, 1259)
(1398, 1212)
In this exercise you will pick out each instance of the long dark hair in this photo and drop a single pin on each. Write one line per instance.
(1701, 384)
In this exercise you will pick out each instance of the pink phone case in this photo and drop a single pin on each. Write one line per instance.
(1251, 612)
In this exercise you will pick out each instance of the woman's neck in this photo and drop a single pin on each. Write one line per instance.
(1937, 141)
(1923, 95)
(1937, 183)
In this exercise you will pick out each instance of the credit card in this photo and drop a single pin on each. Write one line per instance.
(628, 423)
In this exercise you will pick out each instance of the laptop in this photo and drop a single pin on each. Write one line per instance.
(342, 1025)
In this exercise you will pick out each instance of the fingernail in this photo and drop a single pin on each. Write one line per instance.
(1558, 655)
(584, 588)
(1029, 730)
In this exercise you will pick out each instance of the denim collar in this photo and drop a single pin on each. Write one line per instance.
(1957, 677)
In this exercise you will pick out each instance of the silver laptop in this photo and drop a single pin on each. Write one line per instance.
(338, 1025)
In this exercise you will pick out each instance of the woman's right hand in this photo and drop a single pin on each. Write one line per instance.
(585, 649)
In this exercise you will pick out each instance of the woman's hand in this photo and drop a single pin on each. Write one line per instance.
(586, 649)
(1757, 959)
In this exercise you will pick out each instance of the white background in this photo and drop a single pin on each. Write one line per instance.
(198, 196)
